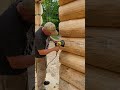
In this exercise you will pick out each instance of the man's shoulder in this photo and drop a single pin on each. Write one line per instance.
(40, 28)
(39, 31)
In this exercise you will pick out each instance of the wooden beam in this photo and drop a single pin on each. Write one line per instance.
(73, 10)
(103, 48)
(63, 2)
(37, 9)
(103, 13)
(37, 20)
(66, 86)
(72, 28)
(74, 45)
(73, 77)
(99, 79)
(73, 61)
(39, 1)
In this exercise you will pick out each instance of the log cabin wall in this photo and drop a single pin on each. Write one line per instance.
(103, 47)
(38, 22)
(38, 13)
(72, 57)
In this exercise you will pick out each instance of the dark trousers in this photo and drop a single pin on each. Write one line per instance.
(14, 82)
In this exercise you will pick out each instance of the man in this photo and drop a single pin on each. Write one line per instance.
(41, 46)
(16, 36)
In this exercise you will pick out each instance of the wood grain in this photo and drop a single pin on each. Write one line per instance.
(103, 13)
(74, 45)
(99, 79)
(63, 2)
(103, 48)
(73, 77)
(66, 86)
(73, 61)
(72, 28)
(73, 10)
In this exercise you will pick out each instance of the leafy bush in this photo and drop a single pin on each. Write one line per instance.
(50, 12)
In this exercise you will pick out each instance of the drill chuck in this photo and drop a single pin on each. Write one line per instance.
(60, 43)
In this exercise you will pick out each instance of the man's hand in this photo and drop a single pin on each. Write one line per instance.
(21, 62)
(56, 48)
(47, 51)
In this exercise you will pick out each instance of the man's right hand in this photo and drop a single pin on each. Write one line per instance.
(56, 48)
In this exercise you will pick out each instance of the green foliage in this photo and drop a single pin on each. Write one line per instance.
(50, 12)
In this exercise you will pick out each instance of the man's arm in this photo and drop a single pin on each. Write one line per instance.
(21, 62)
(46, 51)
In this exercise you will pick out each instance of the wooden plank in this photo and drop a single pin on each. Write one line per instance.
(73, 10)
(73, 77)
(103, 48)
(73, 61)
(99, 79)
(103, 13)
(66, 86)
(72, 28)
(74, 45)
(63, 2)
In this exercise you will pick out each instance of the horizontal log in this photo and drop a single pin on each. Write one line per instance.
(72, 28)
(103, 48)
(74, 45)
(73, 10)
(37, 20)
(99, 79)
(63, 2)
(73, 77)
(37, 9)
(103, 13)
(66, 86)
(39, 1)
(73, 61)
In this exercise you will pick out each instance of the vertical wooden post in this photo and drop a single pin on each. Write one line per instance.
(38, 13)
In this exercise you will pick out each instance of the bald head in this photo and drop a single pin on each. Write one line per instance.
(27, 10)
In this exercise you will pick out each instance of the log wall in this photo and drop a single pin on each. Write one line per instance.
(38, 13)
(72, 57)
(38, 22)
(103, 46)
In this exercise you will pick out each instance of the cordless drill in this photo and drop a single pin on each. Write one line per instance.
(60, 43)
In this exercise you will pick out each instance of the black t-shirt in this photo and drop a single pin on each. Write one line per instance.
(41, 42)
(13, 38)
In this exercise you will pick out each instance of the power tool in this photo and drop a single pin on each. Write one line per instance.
(60, 43)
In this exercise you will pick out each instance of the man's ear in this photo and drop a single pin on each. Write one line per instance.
(43, 29)
(19, 8)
